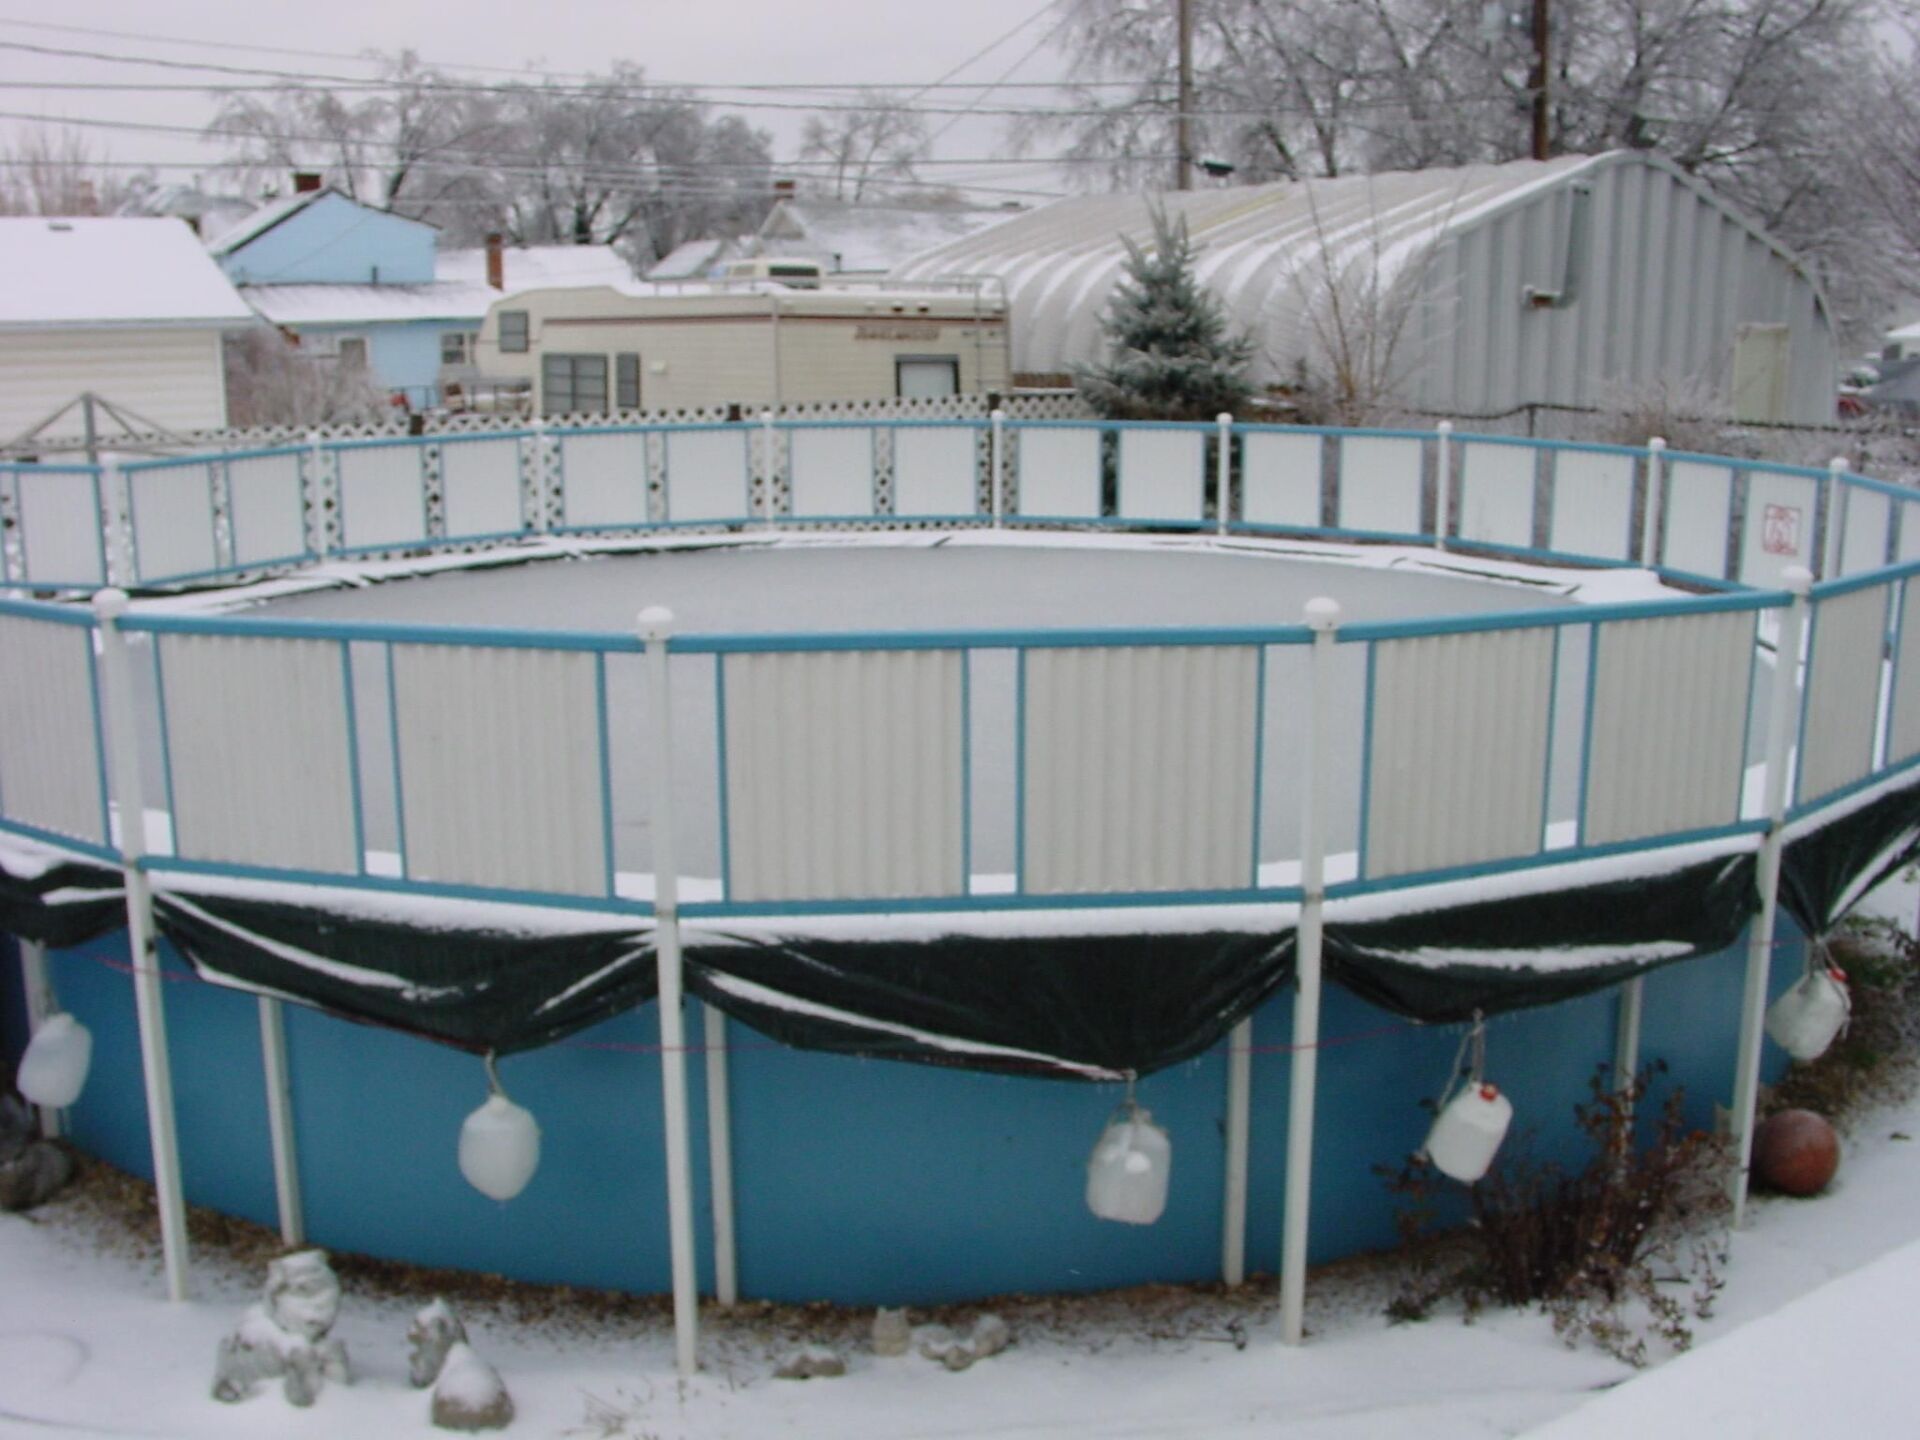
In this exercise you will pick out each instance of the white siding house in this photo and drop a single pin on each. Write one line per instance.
(129, 309)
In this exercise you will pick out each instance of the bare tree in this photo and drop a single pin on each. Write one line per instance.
(272, 380)
(57, 172)
(865, 147)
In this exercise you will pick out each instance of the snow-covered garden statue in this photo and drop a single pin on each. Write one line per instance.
(285, 1337)
(468, 1393)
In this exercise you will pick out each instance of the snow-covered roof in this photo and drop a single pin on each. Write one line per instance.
(111, 271)
(538, 266)
(866, 237)
(263, 220)
(1060, 262)
(693, 259)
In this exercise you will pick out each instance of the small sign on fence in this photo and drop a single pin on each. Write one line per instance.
(1780, 530)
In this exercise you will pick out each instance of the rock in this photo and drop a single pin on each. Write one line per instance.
(892, 1335)
(435, 1331)
(33, 1176)
(285, 1337)
(811, 1362)
(17, 1128)
(1796, 1152)
(990, 1336)
(935, 1342)
(470, 1395)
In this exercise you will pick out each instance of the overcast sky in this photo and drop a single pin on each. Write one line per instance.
(907, 43)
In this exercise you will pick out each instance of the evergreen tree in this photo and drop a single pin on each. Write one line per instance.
(1172, 356)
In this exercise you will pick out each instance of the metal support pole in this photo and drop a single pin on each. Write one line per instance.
(1837, 507)
(1444, 474)
(1223, 473)
(996, 453)
(726, 1268)
(123, 754)
(1541, 82)
(1323, 617)
(1233, 1227)
(1626, 1036)
(1650, 518)
(286, 1169)
(656, 625)
(1183, 120)
(769, 465)
(1780, 715)
(42, 1004)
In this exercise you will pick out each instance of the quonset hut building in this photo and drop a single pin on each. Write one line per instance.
(1581, 281)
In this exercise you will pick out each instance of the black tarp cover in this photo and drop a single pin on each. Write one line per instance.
(1825, 870)
(52, 898)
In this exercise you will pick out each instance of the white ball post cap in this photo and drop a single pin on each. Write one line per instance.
(110, 603)
(656, 622)
(1322, 613)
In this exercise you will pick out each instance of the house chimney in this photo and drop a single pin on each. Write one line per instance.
(305, 182)
(785, 189)
(496, 263)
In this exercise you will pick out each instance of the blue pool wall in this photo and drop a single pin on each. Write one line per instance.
(856, 1181)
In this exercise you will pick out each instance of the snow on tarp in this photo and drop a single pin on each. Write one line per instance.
(54, 898)
(1833, 858)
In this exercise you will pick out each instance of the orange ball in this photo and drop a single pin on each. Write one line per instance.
(1796, 1152)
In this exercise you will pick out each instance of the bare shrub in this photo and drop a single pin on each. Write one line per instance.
(271, 381)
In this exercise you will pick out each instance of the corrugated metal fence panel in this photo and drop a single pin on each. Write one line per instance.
(60, 524)
(1059, 474)
(1909, 547)
(603, 479)
(50, 764)
(934, 471)
(707, 475)
(1843, 683)
(845, 774)
(1496, 493)
(1903, 731)
(172, 509)
(1779, 526)
(1163, 475)
(1457, 749)
(1864, 545)
(1698, 516)
(1380, 484)
(1592, 504)
(1280, 480)
(1667, 739)
(383, 499)
(831, 473)
(266, 509)
(480, 487)
(258, 752)
(500, 768)
(1139, 768)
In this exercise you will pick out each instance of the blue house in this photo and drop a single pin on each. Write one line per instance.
(360, 287)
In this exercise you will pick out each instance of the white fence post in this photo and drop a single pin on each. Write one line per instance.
(1445, 488)
(116, 500)
(1650, 517)
(541, 487)
(996, 454)
(1323, 616)
(316, 492)
(1626, 1035)
(286, 1170)
(123, 754)
(1233, 1226)
(726, 1268)
(656, 626)
(1837, 497)
(1781, 713)
(770, 464)
(41, 1005)
(1223, 484)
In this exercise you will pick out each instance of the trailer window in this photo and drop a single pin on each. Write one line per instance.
(513, 332)
(926, 377)
(573, 384)
(627, 382)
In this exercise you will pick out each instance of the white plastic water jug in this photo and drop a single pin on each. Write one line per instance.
(1468, 1131)
(1804, 1021)
(1128, 1171)
(54, 1068)
(499, 1148)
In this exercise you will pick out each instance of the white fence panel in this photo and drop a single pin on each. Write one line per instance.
(383, 496)
(266, 509)
(172, 510)
(1843, 685)
(1059, 473)
(1903, 732)
(934, 471)
(1864, 545)
(1592, 508)
(1666, 747)
(830, 473)
(1163, 475)
(50, 765)
(603, 480)
(1909, 518)
(480, 487)
(259, 752)
(1139, 768)
(500, 768)
(60, 522)
(1698, 518)
(1496, 493)
(845, 774)
(707, 476)
(1280, 480)
(1780, 515)
(1380, 484)
(1457, 749)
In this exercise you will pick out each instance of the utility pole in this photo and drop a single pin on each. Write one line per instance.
(1182, 124)
(1542, 146)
